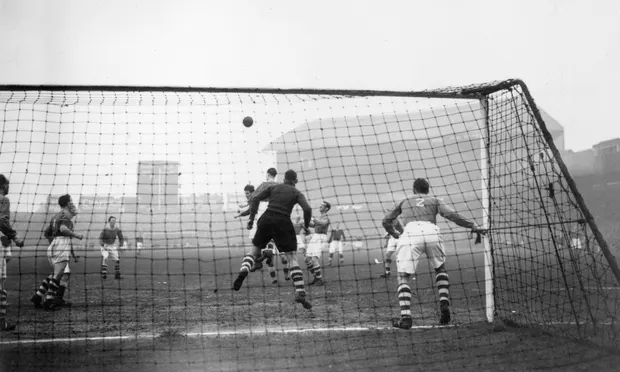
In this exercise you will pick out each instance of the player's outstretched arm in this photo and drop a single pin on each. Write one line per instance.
(388, 220)
(450, 214)
(306, 208)
(64, 229)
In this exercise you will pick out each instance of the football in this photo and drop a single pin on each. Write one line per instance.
(248, 121)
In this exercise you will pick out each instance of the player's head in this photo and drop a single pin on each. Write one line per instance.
(248, 189)
(4, 185)
(325, 207)
(421, 186)
(271, 174)
(112, 221)
(337, 225)
(290, 177)
(66, 203)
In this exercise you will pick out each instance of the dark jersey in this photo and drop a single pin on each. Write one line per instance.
(337, 235)
(423, 208)
(282, 199)
(5, 214)
(60, 219)
(108, 236)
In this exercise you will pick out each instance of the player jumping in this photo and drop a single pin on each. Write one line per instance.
(107, 240)
(276, 224)
(59, 232)
(421, 235)
(8, 235)
(335, 241)
(317, 244)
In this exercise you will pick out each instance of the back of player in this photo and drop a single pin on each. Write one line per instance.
(275, 224)
(421, 235)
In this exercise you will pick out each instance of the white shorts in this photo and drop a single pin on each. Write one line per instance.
(300, 242)
(111, 251)
(391, 245)
(419, 238)
(317, 244)
(139, 245)
(336, 245)
(59, 250)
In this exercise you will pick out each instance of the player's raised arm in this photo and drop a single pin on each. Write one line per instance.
(256, 198)
(450, 214)
(388, 220)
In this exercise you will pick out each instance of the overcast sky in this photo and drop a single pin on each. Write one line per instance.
(568, 52)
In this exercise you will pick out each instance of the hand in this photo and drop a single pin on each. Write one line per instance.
(250, 224)
(19, 241)
(306, 231)
(79, 236)
(75, 258)
(237, 216)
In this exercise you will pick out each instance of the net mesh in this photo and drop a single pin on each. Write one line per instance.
(171, 166)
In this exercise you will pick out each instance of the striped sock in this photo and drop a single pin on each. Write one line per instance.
(104, 270)
(285, 264)
(404, 299)
(246, 264)
(272, 271)
(298, 279)
(43, 287)
(117, 268)
(52, 290)
(3, 304)
(443, 284)
(317, 272)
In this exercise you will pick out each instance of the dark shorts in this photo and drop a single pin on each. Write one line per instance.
(277, 227)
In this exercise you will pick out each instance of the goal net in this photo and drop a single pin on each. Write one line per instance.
(171, 164)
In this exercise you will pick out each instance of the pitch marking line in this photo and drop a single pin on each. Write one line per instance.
(238, 332)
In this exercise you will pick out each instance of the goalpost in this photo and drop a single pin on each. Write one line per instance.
(174, 162)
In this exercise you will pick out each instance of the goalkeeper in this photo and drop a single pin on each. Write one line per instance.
(421, 236)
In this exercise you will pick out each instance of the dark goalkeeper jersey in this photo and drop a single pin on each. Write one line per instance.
(282, 199)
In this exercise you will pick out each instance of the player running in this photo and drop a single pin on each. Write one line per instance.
(390, 247)
(317, 244)
(59, 233)
(139, 241)
(8, 235)
(107, 240)
(421, 235)
(276, 224)
(336, 243)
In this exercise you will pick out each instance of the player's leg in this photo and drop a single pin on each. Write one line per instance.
(139, 247)
(104, 261)
(341, 251)
(317, 271)
(286, 241)
(39, 296)
(285, 262)
(270, 262)
(298, 280)
(259, 242)
(407, 253)
(52, 302)
(64, 282)
(436, 254)
(114, 255)
(332, 250)
(4, 325)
